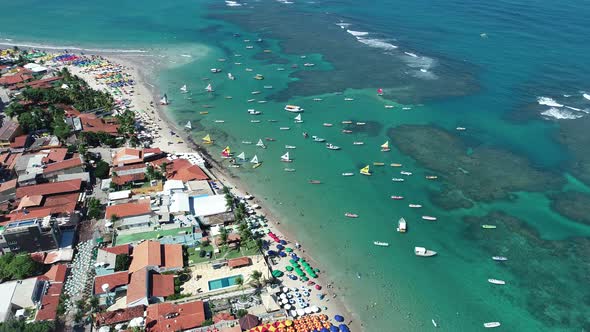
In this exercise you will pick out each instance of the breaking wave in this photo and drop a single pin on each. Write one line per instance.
(560, 114)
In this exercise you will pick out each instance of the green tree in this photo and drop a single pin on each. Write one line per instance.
(241, 313)
(13, 325)
(207, 322)
(18, 266)
(240, 282)
(255, 278)
(94, 208)
(122, 262)
(102, 169)
(223, 235)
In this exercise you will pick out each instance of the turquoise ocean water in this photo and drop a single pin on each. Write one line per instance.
(498, 69)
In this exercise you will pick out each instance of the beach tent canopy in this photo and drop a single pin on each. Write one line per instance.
(248, 322)
(334, 329)
(324, 330)
(343, 328)
(277, 273)
(339, 318)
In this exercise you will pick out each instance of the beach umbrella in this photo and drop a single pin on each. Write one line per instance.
(339, 318)
(283, 242)
(288, 322)
(277, 273)
(288, 249)
(343, 328)
(248, 321)
(285, 289)
(282, 254)
(289, 268)
(333, 329)
(283, 296)
(300, 312)
(287, 307)
(292, 261)
(324, 330)
(280, 247)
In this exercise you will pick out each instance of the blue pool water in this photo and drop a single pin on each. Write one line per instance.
(223, 282)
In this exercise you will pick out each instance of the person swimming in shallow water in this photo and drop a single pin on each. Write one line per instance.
(305, 134)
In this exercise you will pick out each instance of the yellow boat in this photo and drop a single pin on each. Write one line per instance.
(366, 171)
(378, 164)
(207, 139)
(395, 165)
(256, 165)
(203, 113)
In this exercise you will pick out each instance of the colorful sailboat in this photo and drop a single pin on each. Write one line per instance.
(207, 139)
(209, 88)
(188, 125)
(226, 153)
(385, 147)
(285, 158)
(164, 100)
(380, 92)
(255, 161)
(260, 144)
(366, 171)
(298, 119)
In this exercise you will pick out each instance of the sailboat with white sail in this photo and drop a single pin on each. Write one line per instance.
(242, 156)
(209, 88)
(183, 89)
(385, 147)
(260, 144)
(298, 118)
(256, 163)
(188, 126)
(285, 158)
(164, 100)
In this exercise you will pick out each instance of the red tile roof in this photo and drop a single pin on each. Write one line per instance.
(119, 315)
(239, 262)
(137, 208)
(162, 285)
(8, 185)
(48, 309)
(92, 123)
(182, 169)
(137, 288)
(15, 79)
(57, 273)
(9, 129)
(148, 253)
(50, 188)
(63, 165)
(55, 288)
(55, 155)
(223, 316)
(43, 83)
(129, 178)
(128, 167)
(17, 215)
(118, 250)
(127, 156)
(19, 142)
(114, 280)
(172, 257)
(186, 316)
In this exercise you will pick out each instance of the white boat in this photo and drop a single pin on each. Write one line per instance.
(348, 99)
(290, 147)
(255, 92)
(381, 244)
(219, 121)
(164, 100)
(268, 86)
(317, 99)
(388, 106)
(260, 144)
(347, 174)
(401, 225)
(255, 121)
(293, 109)
(415, 206)
(230, 76)
(209, 88)
(499, 258)
(249, 47)
(318, 139)
(285, 158)
(246, 142)
(397, 180)
(385, 146)
(423, 252)
(497, 281)
(405, 173)
(330, 146)
(188, 125)
(183, 89)
(215, 70)
(262, 101)
(358, 143)
(289, 170)
(461, 128)
(250, 100)
(298, 119)
(328, 124)
(284, 128)
(242, 156)
(490, 325)
(254, 112)
(308, 64)
(429, 218)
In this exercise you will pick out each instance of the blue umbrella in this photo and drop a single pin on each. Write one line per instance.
(280, 247)
(333, 329)
(343, 328)
(283, 242)
(282, 254)
(324, 330)
(339, 318)
(271, 253)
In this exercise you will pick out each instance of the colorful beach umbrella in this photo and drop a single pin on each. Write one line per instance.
(339, 318)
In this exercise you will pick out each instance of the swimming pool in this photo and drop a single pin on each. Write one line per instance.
(223, 282)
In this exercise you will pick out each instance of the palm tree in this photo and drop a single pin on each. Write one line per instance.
(223, 235)
(255, 276)
(240, 282)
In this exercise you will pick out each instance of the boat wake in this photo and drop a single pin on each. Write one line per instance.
(357, 33)
(586, 96)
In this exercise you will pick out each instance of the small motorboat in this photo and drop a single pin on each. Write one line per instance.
(401, 225)
(488, 226)
(381, 244)
(284, 128)
(358, 143)
(246, 142)
(317, 99)
(314, 182)
(293, 108)
(388, 106)
(346, 131)
(346, 122)
(255, 92)
(423, 252)
(347, 174)
(378, 164)
(328, 125)
(330, 146)
(269, 139)
(395, 165)
(254, 112)
(461, 128)
(290, 146)
(500, 258)
(318, 139)
(405, 173)
(215, 70)
(497, 281)
(219, 121)
(415, 206)
(397, 198)
(431, 177)
(429, 218)
(259, 77)
(348, 99)
(358, 275)
(204, 113)
(351, 215)
(308, 64)
(361, 123)
(490, 325)
(255, 121)
(434, 323)
(397, 180)
(251, 100)
(289, 170)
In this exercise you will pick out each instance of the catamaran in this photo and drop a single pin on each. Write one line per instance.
(293, 109)
(260, 144)
(184, 89)
(242, 156)
(226, 153)
(385, 147)
(298, 119)
(423, 252)
(401, 225)
(164, 100)
(207, 139)
(255, 161)
(365, 171)
(188, 125)
(285, 158)
(209, 88)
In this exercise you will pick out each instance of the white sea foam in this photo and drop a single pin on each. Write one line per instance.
(232, 3)
(560, 114)
(587, 96)
(74, 48)
(357, 33)
(377, 43)
(186, 55)
(343, 25)
(548, 102)
(413, 55)
(567, 96)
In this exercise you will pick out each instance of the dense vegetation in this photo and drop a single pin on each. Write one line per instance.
(14, 325)
(122, 262)
(13, 267)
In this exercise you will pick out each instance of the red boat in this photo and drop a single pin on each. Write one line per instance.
(351, 215)
(397, 197)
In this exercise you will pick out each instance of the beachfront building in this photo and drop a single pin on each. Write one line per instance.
(212, 210)
(164, 317)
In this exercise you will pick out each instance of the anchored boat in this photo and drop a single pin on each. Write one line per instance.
(401, 225)
(423, 252)
(385, 147)
(365, 171)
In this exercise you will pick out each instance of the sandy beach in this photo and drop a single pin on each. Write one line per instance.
(144, 101)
